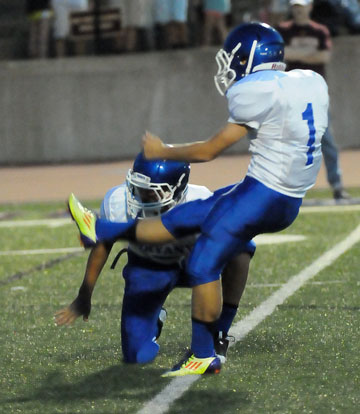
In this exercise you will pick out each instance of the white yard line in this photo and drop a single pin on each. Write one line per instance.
(177, 387)
(41, 251)
(262, 285)
(31, 223)
(260, 240)
(56, 222)
(329, 209)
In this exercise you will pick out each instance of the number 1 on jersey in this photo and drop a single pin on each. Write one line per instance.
(308, 116)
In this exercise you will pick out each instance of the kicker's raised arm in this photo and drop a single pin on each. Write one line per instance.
(199, 151)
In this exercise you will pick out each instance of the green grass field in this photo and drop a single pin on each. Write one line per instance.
(303, 358)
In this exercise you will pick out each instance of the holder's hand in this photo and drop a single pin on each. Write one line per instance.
(80, 307)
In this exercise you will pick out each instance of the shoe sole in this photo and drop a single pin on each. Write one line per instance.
(85, 241)
(213, 368)
(215, 371)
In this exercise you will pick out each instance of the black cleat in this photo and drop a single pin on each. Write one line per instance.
(341, 194)
(221, 345)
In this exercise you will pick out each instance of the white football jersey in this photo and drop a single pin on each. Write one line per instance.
(113, 208)
(288, 114)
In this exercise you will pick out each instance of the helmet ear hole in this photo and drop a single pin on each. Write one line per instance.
(243, 61)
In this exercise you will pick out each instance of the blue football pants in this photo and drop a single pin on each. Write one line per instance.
(232, 217)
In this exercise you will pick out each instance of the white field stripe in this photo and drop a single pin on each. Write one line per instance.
(41, 251)
(329, 209)
(31, 223)
(178, 386)
(278, 238)
(266, 308)
(264, 239)
(57, 222)
(261, 285)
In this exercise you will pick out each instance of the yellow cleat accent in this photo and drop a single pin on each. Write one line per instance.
(85, 221)
(191, 365)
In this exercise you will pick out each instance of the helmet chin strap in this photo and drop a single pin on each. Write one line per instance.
(178, 185)
(180, 180)
(236, 48)
(251, 57)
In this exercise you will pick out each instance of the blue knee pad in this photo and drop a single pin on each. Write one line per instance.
(144, 354)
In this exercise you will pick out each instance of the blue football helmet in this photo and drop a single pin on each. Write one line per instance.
(248, 48)
(155, 186)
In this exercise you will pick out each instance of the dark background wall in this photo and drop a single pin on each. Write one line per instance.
(97, 108)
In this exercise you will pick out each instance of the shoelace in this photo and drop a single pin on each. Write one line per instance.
(189, 355)
(223, 337)
(230, 338)
(187, 361)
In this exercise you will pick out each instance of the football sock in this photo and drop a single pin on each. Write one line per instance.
(202, 343)
(226, 318)
(110, 230)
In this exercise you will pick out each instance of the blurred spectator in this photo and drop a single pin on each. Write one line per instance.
(215, 12)
(62, 10)
(138, 22)
(171, 18)
(279, 11)
(195, 22)
(264, 12)
(308, 46)
(39, 14)
(119, 41)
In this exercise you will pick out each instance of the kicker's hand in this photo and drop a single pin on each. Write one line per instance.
(153, 146)
(80, 307)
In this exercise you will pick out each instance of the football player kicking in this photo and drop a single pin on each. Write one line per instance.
(152, 271)
(285, 116)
